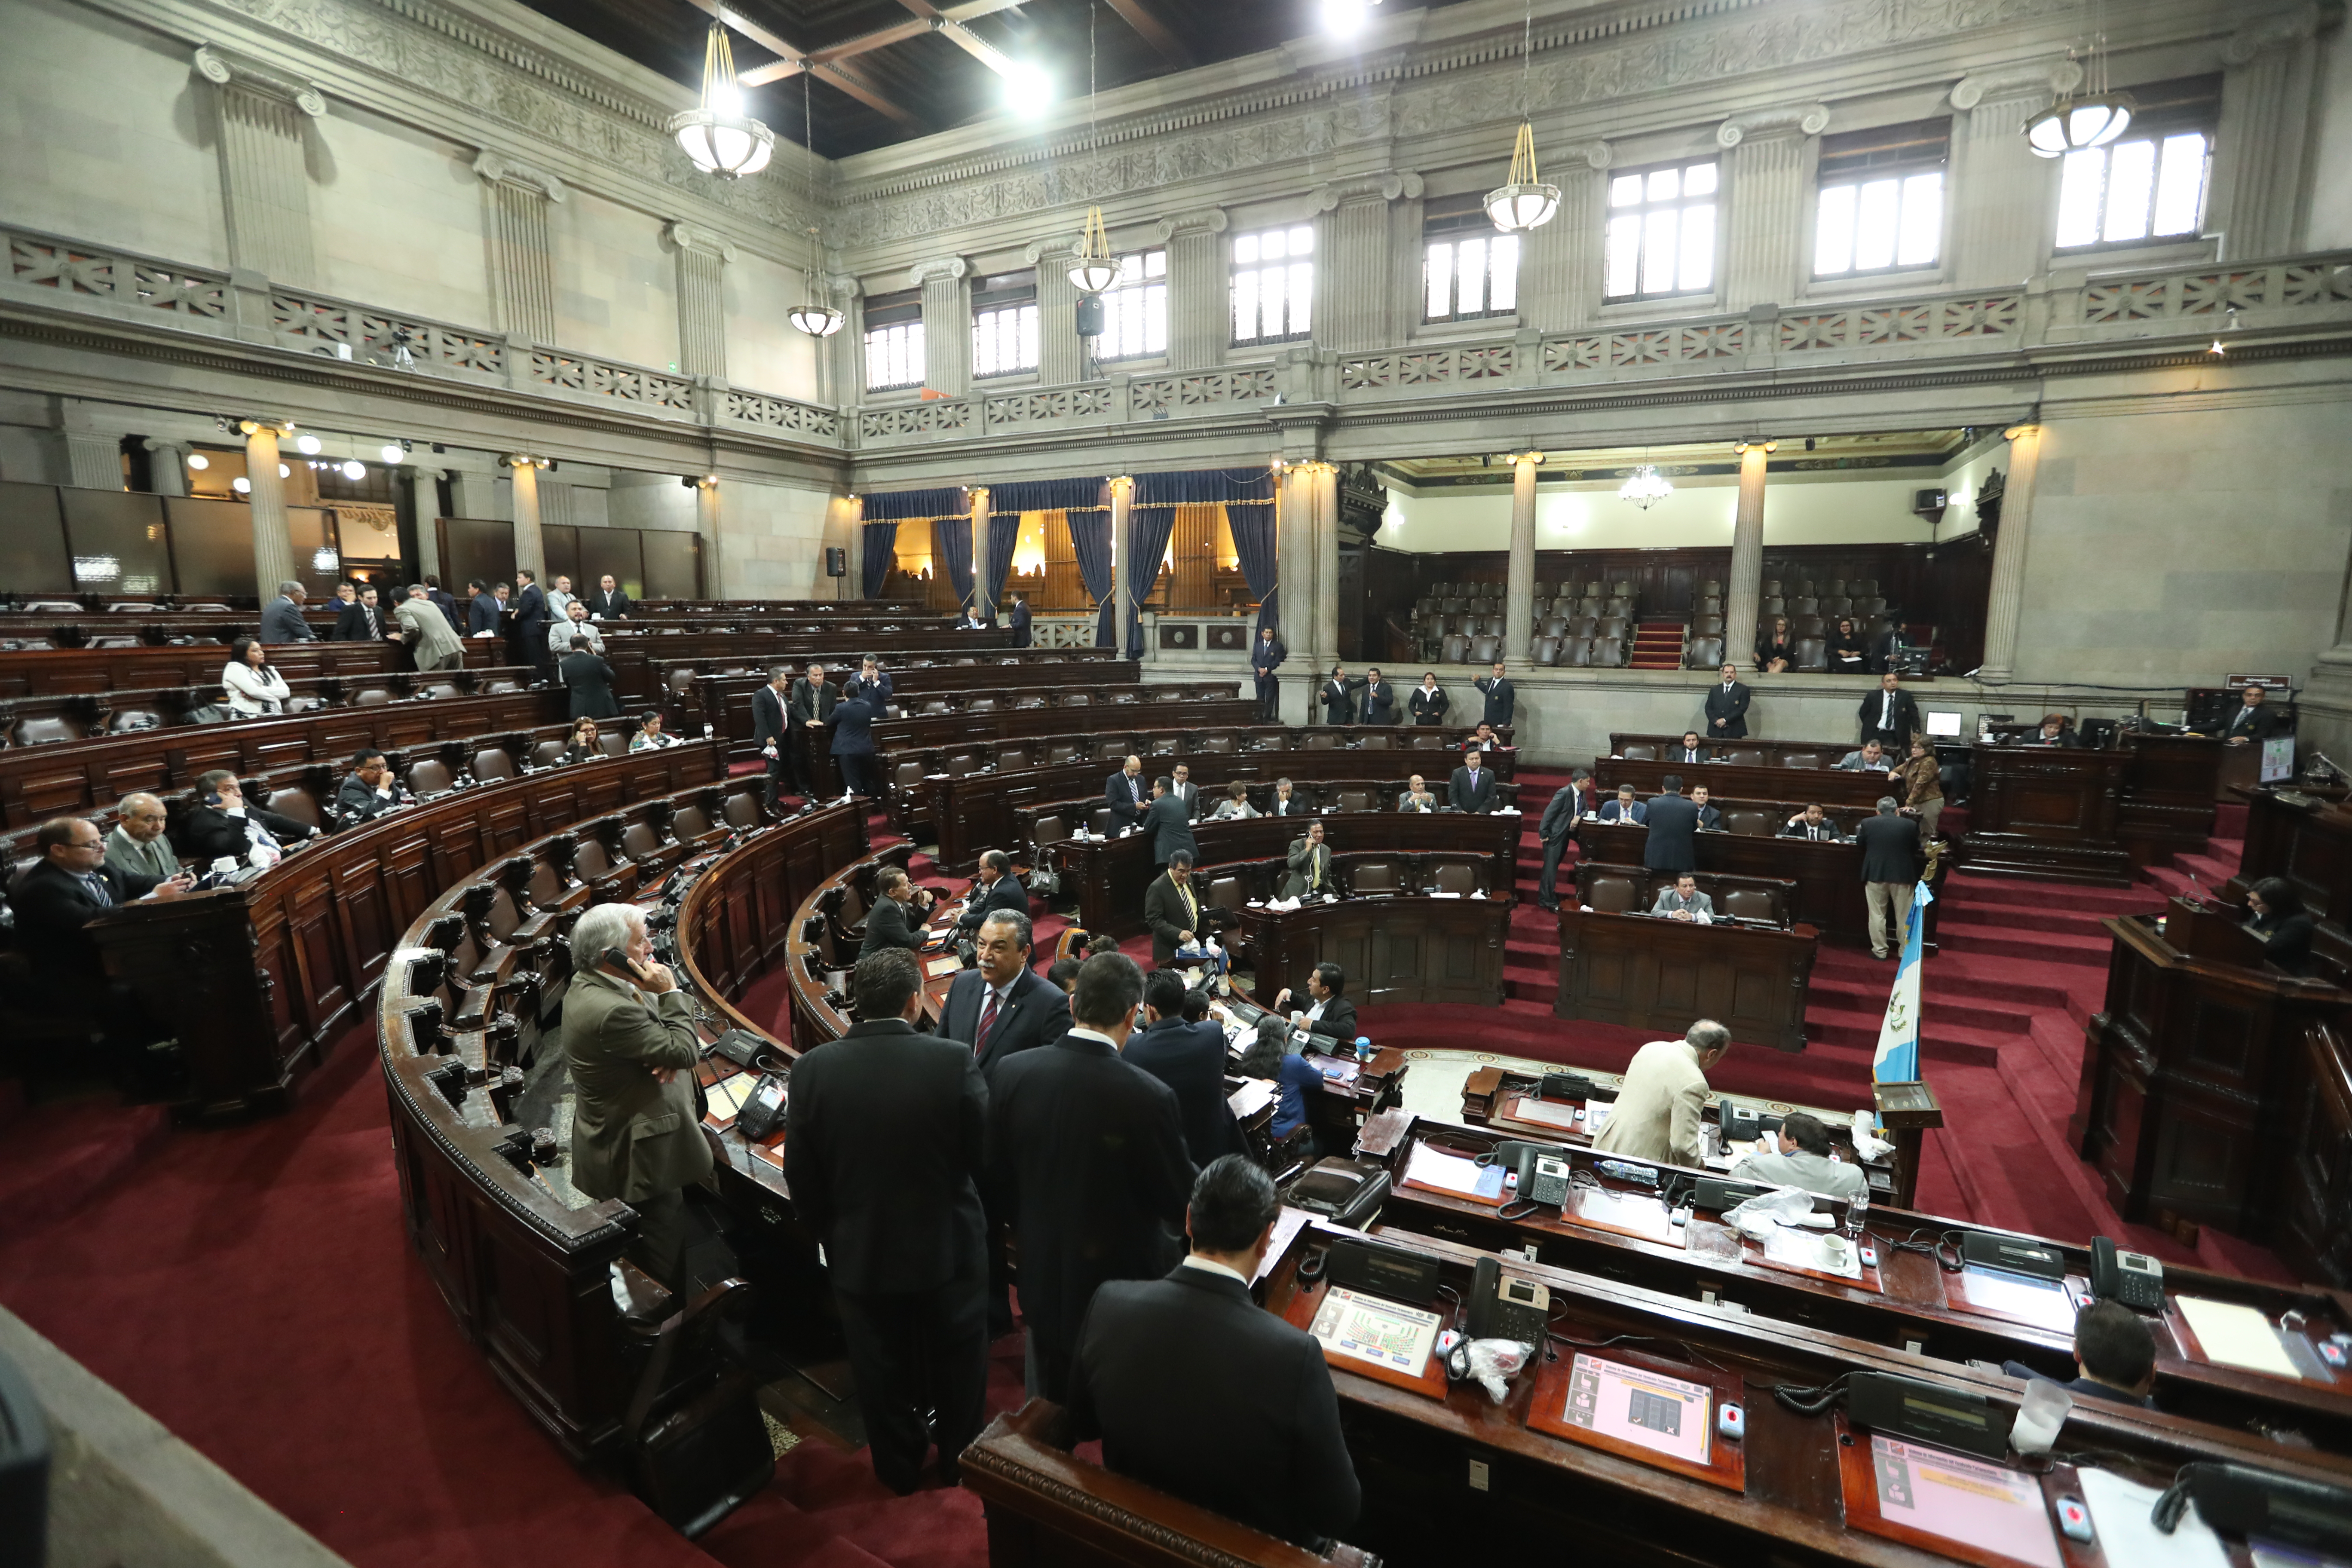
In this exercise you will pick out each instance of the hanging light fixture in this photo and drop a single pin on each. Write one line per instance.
(2078, 124)
(1095, 268)
(1645, 486)
(719, 136)
(1525, 202)
(816, 318)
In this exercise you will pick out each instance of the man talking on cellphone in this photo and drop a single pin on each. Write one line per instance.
(629, 1040)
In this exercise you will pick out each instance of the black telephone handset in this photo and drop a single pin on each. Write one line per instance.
(2133, 1279)
(763, 1107)
(1502, 1309)
(1541, 1170)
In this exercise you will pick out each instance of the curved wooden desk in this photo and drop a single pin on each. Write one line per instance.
(1651, 972)
(1392, 947)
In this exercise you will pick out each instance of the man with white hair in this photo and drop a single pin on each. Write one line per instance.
(1664, 1098)
(629, 1040)
(137, 846)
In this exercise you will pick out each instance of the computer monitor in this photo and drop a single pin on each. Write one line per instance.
(2278, 759)
(1946, 725)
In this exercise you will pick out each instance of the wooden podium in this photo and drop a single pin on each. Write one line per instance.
(2192, 1070)
(2091, 816)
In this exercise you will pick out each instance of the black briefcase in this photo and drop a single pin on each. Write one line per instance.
(1344, 1192)
(697, 1465)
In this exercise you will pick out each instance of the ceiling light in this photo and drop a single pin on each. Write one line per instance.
(241, 485)
(394, 451)
(2078, 124)
(1027, 88)
(1524, 201)
(1646, 487)
(354, 469)
(719, 136)
(284, 472)
(306, 444)
(817, 320)
(199, 462)
(1346, 18)
(1095, 269)
(324, 559)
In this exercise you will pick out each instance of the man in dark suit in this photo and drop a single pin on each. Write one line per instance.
(221, 823)
(1326, 1012)
(809, 706)
(871, 684)
(1890, 870)
(1127, 795)
(1285, 802)
(369, 790)
(996, 888)
(1673, 822)
(529, 638)
(1189, 1058)
(483, 612)
(1001, 1008)
(442, 601)
(2254, 721)
(1889, 716)
(589, 678)
(1337, 696)
(1174, 910)
(884, 1145)
(1553, 830)
(362, 620)
(853, 747)
(1502, 697)
(1088, 1161)
(1018, 618)
(1379, 703)
(58, 894)
(1692, 750)
(1813, 825)
(1623, 807)
(608, 603)
(772, 735)
(897, 918)
(1266, 654)
(1726, 706)
(282, 621)
(1166, 821)
(1472, 786)
(1709, 819)
(1196, 1390)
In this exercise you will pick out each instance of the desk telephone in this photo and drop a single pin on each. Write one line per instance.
(1540, 1171)
(2132, 1277)
(1504, 1309)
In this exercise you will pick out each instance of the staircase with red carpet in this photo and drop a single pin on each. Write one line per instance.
(1658, 645)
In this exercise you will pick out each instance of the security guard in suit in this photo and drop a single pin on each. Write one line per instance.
(629, 1043)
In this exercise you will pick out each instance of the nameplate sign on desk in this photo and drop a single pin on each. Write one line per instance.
(936, 967)
(1972, 1509)
(1643, 1408)
(1558, 1114)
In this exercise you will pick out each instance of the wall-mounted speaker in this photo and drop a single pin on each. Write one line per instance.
(1090, 315)
(836, 561)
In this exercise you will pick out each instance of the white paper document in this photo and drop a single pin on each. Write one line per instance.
(2233, 1335)
(2119, 1510)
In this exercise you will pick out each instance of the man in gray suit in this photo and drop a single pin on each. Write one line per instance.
(629, 1042)
(1684, 901)
(1168, 822)
(432, 640)
(282, 621)
(1310, 865)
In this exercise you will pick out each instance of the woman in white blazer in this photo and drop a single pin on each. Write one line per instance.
(254, 687)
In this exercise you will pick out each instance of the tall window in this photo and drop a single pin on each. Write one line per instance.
(1662, 232)
(2149, 185)
(1004, 324)
(1467, 270)
(1882, 199)
(1274, 284)
(894, 341)
(1134, 309)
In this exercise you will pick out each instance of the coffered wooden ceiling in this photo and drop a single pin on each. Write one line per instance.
(890, 70)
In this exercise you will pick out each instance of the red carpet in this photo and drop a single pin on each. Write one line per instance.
(252, 1289)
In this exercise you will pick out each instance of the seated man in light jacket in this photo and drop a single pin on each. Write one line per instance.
(1803, 1161)
(1659, 1109)
(1871, 759)
(1684, 901)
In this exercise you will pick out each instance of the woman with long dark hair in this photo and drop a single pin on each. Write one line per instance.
(255, 687)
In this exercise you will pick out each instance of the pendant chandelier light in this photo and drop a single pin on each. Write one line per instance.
(1525, 202)
(1645, 487)
(816, 319)
(2078, 124)
(1095, 268)
(719, 136)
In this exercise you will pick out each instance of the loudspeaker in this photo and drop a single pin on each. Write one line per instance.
(836, 561)
(1090, 315)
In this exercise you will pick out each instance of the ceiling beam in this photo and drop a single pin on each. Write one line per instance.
(865, 43)
(840, 72)
(1138, 15)
(962, 36)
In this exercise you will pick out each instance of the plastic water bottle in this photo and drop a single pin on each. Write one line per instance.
(1857, 1213)
(1364, 1048)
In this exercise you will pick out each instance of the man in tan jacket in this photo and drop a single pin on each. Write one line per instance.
(426, 631)
(1658, 1112)
(629, 1040)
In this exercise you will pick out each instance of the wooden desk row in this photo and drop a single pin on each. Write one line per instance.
(2089, 817)
(634, 653)
(1826, 786)
(71, 719)
(30, 672)
(702, 694)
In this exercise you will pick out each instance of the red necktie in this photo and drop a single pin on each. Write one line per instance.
(987, 1022)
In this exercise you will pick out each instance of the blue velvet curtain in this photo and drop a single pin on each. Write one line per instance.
(1086, 505)
(941, 509)
(881, 548)
(1090, 539)
(1004, 533)
(1248, 496)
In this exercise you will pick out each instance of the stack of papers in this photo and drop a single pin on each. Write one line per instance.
(1433, 1167)
(2232, 1335)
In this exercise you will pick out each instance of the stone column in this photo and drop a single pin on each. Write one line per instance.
(424, 505)
(2006, 597)
(1122, 493)
(841, 358)
(475, 494)
(530, 555)
(706, 525)
(947, 323)
(2001, 192)
(1559, 264)
(1519, 586)
(265, 178)
(702, 256)
(979, 594)
(1199, 303)
(1355, 281)
(1747, 582)
(1323, 494)
(516, 199)
(1763, 192)
(1061, 353)
(273, 546)
(167, 466)
(2258, 149)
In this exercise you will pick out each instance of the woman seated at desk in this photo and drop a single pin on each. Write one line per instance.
(2274, 913)
(1270, 1057)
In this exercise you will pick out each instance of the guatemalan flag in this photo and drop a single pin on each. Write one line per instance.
(1898, 1058)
